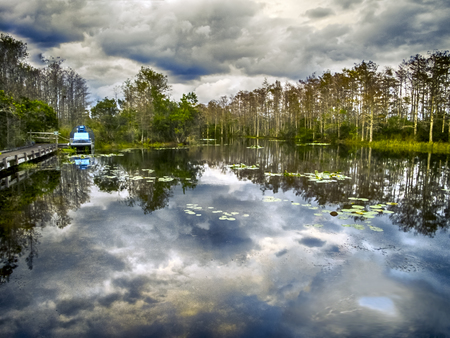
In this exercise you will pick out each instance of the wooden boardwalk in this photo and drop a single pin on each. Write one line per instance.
(16, 157)
(8, 181)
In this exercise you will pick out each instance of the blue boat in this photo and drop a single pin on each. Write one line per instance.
(82, 137)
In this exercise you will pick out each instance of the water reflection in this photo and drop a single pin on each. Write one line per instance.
(140, 257)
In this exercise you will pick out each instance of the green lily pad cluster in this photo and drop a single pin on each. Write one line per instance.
(272, 174)
(286, 174)
(192, 209)
(356, 226)
(165, 179)
(255, 147)
(358, 199)
(361, 227)
(373, 210)
(326, 177)
(271, 199)
(243, 166)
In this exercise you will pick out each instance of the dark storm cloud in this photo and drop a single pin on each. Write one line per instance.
(414, 25)
(194, 38)
(204, 38)
(49, 22)
(319, 12)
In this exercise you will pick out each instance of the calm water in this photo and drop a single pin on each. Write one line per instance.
(97, 248)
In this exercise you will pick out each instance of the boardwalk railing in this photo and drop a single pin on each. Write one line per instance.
(16, 159)
(8, 181)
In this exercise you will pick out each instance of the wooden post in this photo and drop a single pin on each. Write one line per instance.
(33, 156)
(5, 163)
(16, 159)
(7, 181)
(25, 156)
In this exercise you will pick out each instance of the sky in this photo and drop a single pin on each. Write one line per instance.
(217, 48)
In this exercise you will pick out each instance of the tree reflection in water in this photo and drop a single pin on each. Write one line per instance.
(414, 181)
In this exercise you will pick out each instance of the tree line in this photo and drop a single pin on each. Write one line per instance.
(361, 103)
(36, 99)
(411, 102)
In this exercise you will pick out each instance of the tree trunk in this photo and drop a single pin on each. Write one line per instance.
(431, 120)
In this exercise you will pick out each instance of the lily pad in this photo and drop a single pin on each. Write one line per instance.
(375, 228)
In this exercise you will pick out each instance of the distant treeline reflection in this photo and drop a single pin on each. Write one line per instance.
(415, 182)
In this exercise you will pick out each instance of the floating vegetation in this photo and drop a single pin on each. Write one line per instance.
(272, 174)
(243, 166)
(375, 228)
(356, 226)
(286, 174)
(326, 177)
(255, 147)
(271, 199)
(314, 208)
(391, 203)
(358, 199)
(306, 205)
(378, 206)
(149, 170)
(226, 218)
(295, 203)
(313, 144)
(334, 213)
(447, 190)
(317, 214)
(165, 179)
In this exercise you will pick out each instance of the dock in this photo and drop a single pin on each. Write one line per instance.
(23, 155)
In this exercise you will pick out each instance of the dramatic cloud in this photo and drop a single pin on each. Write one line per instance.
(212, 44)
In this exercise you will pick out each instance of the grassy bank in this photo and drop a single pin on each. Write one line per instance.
(101, 146)
(395, 145)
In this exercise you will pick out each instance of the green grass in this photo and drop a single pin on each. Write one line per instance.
(27, 165)
(395, 145)
(69, 150)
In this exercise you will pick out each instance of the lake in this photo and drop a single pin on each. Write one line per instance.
(228, 241)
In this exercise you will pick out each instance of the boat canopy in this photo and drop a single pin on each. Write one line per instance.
(80, 133)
